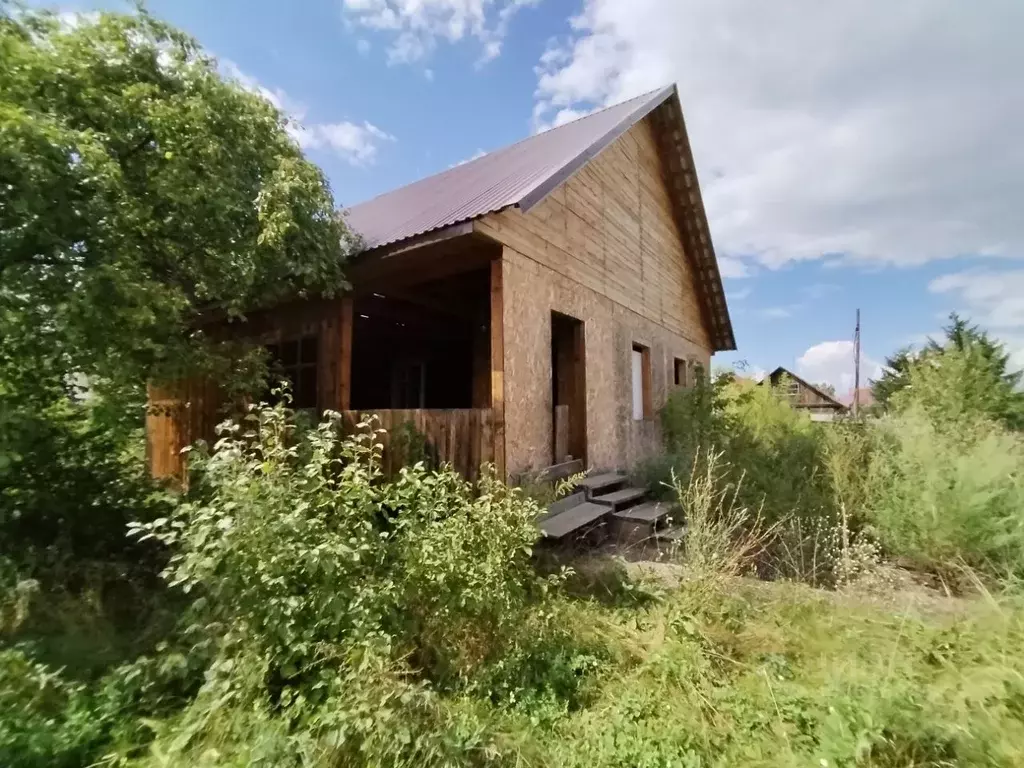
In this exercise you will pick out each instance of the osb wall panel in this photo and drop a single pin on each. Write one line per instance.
(603, 248)
(531, 292)
(610, 228)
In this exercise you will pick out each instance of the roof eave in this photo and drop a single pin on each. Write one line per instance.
(693, 222)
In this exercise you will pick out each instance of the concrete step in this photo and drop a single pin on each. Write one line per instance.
(605, 482)
(572, 520)
(636, 524)
(652, 512)
(622, 498)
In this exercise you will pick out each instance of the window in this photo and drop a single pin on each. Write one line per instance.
(295, 361)
(679, 366)
(642, 407)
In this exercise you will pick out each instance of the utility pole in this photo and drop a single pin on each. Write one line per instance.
(856, 367)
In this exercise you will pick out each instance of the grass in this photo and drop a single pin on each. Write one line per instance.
(738, 672)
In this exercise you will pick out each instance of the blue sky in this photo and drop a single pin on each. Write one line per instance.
(851, 155)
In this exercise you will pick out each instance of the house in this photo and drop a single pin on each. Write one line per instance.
(803, 395)
(534, 304)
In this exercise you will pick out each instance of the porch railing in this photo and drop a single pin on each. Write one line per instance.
(463, 438)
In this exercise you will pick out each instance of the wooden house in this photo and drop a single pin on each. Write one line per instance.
(537, 303)
(803, 395)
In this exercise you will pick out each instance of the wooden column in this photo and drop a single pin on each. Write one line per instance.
(498, 366)
(345, 357)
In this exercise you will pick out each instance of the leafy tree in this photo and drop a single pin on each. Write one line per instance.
(142, 191)
(966, 366)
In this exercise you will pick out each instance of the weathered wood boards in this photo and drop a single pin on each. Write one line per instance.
(463, 438)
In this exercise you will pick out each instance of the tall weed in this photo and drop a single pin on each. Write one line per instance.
(944, 493)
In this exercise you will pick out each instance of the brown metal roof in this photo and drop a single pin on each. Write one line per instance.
(524, 173)
(519, 174)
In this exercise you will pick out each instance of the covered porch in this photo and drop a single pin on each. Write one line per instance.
(418, 341)
(424, 352)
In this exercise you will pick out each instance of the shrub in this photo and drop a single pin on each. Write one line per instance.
(946, 493)
(778, 451)
(344, 601)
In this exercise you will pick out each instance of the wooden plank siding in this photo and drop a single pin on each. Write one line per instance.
(604, 248)
(181, 413)
(610, 228)
(463, 438)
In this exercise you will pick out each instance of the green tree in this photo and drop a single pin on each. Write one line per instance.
(967, 367)
(141, 192)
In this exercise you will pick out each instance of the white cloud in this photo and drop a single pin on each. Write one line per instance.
(418, 25)
(477, 154)
(356, 143)
(275, 96)
(732, 267)
(886, 132)
(363, 46)
(831, 362)
(428, 73)
(777, 313)
(739, 295)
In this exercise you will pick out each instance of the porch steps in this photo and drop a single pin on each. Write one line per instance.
(604, 506)
(621, 499)
(651, 512)
(575, 519)
(602, 483)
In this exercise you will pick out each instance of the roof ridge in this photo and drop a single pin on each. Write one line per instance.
(463, 165)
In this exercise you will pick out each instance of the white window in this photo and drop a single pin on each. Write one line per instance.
(641, 382)
(638, 385)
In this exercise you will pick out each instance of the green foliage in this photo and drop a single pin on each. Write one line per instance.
(784, 676)
(140, 190)
(69, 485)
(772, 455)
(49, 719)
(966, 372)
(333, 595)
(946, 492)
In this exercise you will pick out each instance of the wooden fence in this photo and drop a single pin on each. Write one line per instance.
(178, 415)
(463, 438)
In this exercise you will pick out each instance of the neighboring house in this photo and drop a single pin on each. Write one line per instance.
(803, 395)
(534, 304)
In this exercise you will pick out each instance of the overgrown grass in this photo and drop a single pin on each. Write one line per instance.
(335, 617)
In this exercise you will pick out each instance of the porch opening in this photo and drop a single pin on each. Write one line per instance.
(568, 389)
(423, 346)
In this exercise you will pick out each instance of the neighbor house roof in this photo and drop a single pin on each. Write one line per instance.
(832, 402)
(524, 173)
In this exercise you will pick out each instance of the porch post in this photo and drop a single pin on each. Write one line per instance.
(498, 366)
(345, 356)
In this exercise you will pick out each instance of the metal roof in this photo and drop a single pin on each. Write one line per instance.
(524, 173)
(520, 174)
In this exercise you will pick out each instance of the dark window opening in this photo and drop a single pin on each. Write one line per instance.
(568, 388)
(424, 346)
(296, 361)
(680, 373)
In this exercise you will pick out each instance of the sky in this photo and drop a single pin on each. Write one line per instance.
(851, 154)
